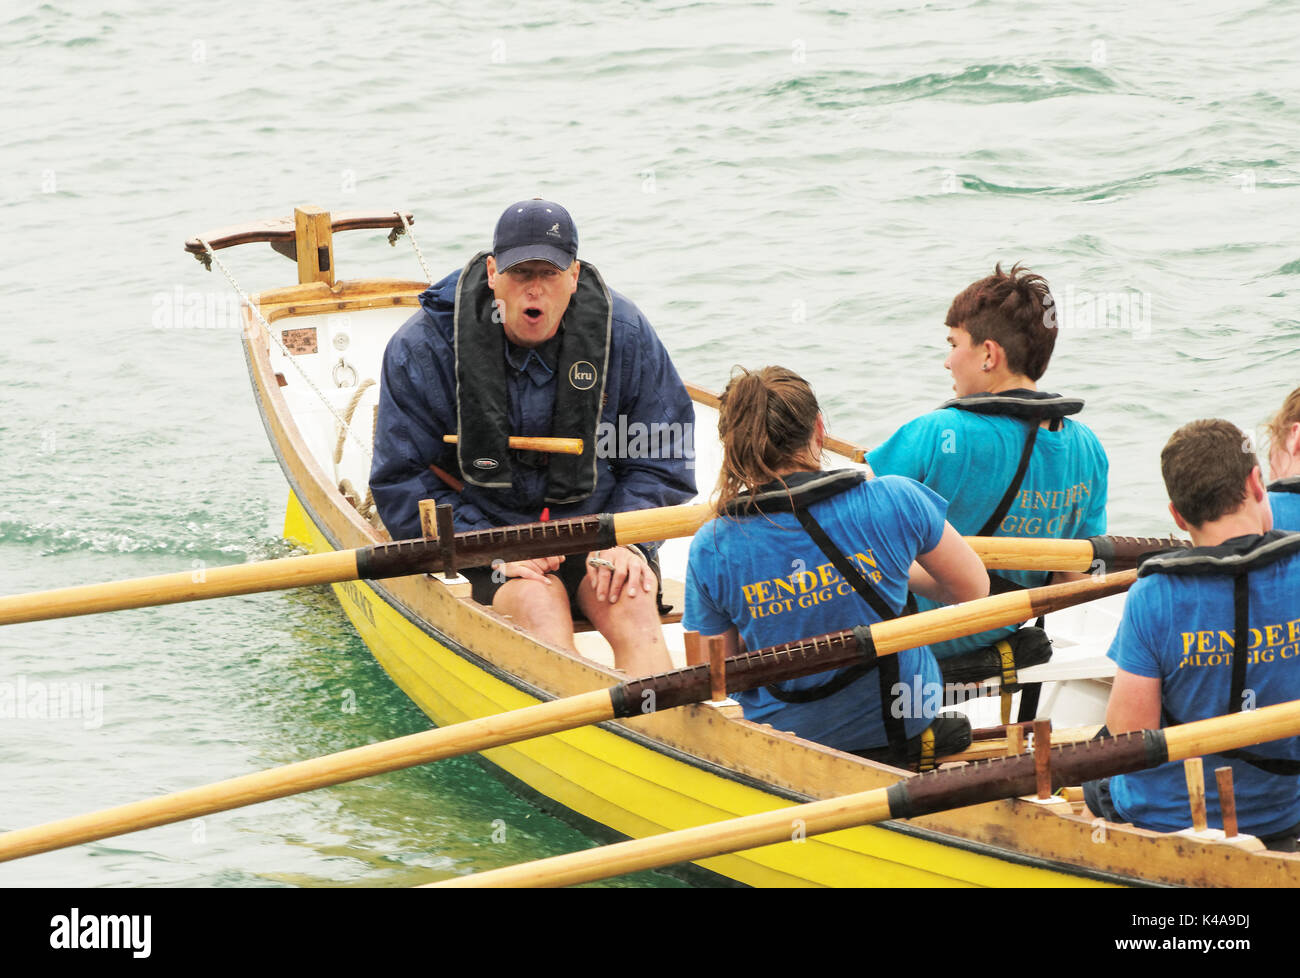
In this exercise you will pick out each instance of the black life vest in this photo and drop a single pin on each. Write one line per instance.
(1290, 484)
(1032, 406)
(800, 491)
(483, 425)
(1235, 558)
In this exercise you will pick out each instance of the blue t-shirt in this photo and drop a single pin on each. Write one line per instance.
(1179, 628)
(766, 576)
(1286, 510)
(970, 460)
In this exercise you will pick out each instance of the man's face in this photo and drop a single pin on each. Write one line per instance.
(964, 361)
(531, 298)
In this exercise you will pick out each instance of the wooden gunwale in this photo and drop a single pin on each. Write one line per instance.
(775, 763)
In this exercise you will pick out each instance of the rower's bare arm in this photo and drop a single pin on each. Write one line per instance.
(950, 573)
(1134, 703)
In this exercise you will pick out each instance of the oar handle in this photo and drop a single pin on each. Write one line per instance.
(1104, 553)
(529, 443)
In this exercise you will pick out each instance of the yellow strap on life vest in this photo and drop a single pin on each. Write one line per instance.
(1008, 677)
(926, 763)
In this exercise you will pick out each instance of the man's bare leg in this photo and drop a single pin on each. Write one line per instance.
(632, 628)
(542, 609)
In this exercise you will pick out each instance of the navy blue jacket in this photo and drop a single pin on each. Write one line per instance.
(417, 406)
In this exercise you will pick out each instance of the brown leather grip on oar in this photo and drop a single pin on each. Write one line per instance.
(748, 671)
(1010, 777)
(1120, 553)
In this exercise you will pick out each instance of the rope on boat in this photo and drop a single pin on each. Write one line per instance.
(428, 276)
(346, 429)
(363, 506)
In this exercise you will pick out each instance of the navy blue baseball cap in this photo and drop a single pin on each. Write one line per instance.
(533, 229)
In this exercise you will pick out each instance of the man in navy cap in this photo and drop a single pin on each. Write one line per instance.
(526, 340)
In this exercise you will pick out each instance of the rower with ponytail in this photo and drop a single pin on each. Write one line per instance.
(797, 552)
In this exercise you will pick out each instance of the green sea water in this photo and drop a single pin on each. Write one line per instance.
(790, 182)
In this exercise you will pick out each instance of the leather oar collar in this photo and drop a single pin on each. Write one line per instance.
(1290, 484)
(798, 489)
(1018, 403)
(1238, 555)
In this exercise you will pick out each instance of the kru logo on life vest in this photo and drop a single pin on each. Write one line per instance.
(582, 375)
(486, 464)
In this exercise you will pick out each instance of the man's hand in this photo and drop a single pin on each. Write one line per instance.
(531, 570)
(611, 571)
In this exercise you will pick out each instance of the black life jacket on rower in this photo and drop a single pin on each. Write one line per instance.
(1032, 406)
(1290, 484)
(483, 423)
(800, 491)
(1234, 558)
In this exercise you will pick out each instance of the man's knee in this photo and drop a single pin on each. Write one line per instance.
(533, 601)
(628, 613)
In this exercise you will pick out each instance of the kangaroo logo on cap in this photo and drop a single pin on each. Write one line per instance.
(555, 230)
(582, 375)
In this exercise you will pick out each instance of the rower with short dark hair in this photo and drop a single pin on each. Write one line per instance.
(1284, 463)
(1187, 622)
(1009, 458)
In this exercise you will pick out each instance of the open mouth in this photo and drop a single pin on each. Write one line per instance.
(532, 314)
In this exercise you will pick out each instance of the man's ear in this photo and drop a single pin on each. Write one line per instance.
(1178, 518)
(1255, 484)
(492, 272)
(573, 271)
(994, 354)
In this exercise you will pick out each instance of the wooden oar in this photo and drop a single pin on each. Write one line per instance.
(634, 698)
(527, 443)
(1096, 554)
(472, 548)
(972, 784)
(477, 548)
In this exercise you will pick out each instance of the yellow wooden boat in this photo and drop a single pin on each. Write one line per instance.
(314, 351)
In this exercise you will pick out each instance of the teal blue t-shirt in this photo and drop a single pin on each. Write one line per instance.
(969, 459)
(766, 576)
(1180, 629)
